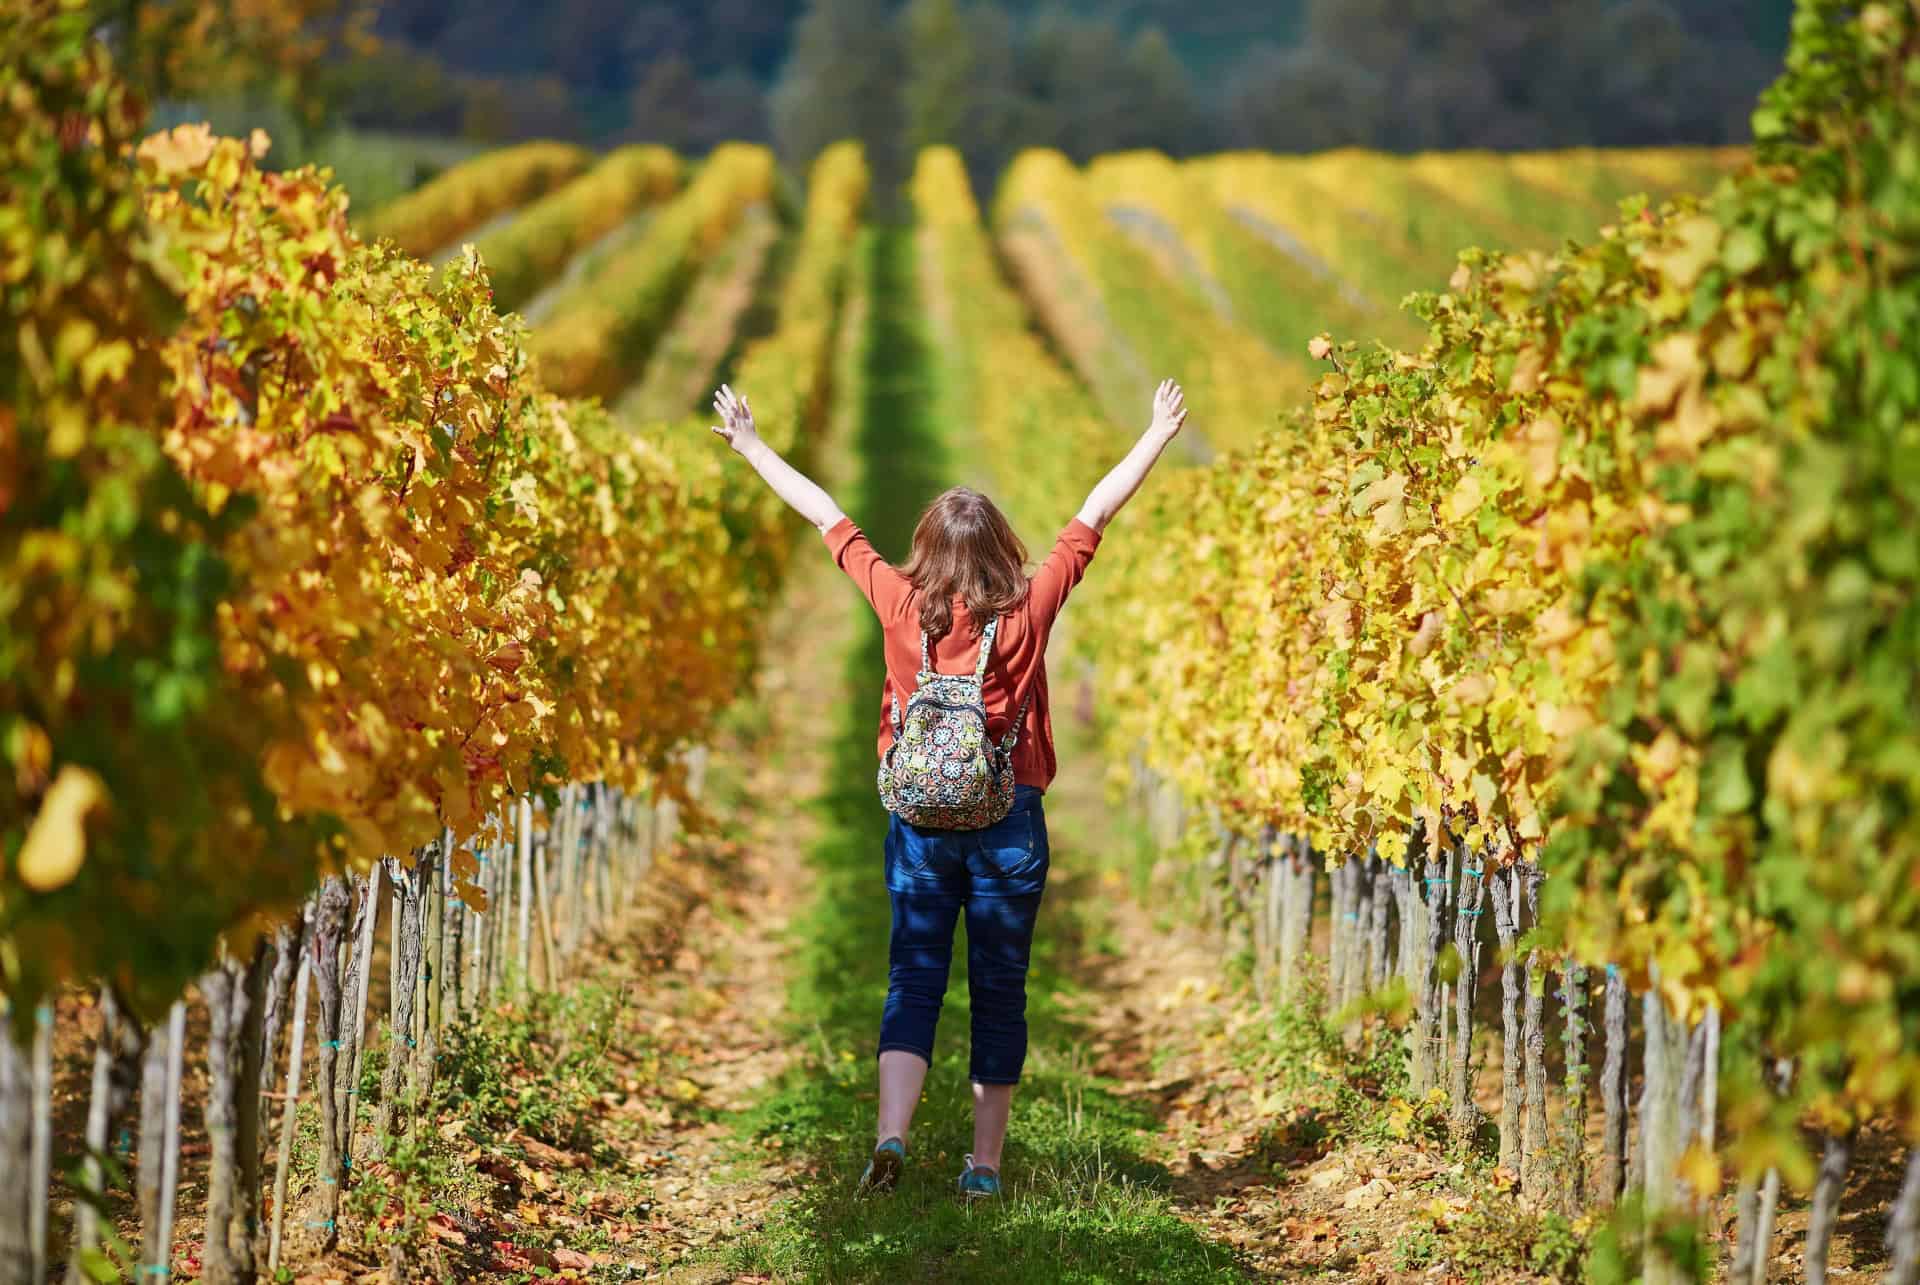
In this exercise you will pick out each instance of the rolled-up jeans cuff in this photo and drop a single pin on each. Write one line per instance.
(925, 1055)
(993, 1079)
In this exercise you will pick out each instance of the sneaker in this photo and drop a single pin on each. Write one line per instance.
(977, 1182)
(883, 1171)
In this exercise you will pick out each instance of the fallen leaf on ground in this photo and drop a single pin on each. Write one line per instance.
(1368, 1196)
(442, 1229)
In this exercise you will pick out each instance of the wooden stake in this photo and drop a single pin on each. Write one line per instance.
(400, 1016)
(40, 1172)
(1383, 901)
(1666, 1052)
(548, 949)
(86, 1208)
(296, 1042)
(329, 925)
(170, 1137)
(420, 1076)
(523, 816)
(1835, 1159)
(217, 989)
(287, 943)
(1763, 1227)
(1470, 896)
(360, 979)
(1536, 1177)
(153, 1093)
(1430, 1024)
(1903, 1228)
(1505, 887)
(1573, 1000)
(1613, 1094)
(249, 1026)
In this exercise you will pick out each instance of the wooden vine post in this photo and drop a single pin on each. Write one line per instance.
(523, 845)
(1573, 1002)
(104, 1103)
(160, 1140)
(1612, 1177)
(359, 983)
(1836, 1157)
(435, 879)
(1471, 892)
(1429, 1017)
(1536, 1171)
(1503, 886)
(17, 1196)
(400, 1039)
(1903, 1227)
(1383, 901)
(296, 1046)
(329, 925)
(235, 995)
(1660, 1133)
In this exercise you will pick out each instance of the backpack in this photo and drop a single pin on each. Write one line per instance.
(942, 772)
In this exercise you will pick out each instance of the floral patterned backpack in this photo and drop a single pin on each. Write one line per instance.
(941, 772)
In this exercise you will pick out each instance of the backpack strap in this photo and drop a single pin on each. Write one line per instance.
(1012, 737)
(926, 662)
(986, 649)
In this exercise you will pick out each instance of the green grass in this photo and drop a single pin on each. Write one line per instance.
(1082, 1203)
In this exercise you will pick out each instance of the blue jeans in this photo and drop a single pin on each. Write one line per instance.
(996, 876)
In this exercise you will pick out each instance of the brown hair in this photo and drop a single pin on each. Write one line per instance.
(964, 547)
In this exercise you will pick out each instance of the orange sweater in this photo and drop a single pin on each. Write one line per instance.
(1019, 647)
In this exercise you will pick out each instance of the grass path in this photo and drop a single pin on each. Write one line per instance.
(1083, 1204)
(680, 371)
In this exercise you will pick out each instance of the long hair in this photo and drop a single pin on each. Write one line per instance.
(964, 548)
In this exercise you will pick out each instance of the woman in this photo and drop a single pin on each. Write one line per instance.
(967, 569)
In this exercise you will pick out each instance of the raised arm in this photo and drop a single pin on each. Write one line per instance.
(789, 483)
(1118, 486)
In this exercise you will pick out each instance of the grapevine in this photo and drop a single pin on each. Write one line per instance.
(459, 201)
(533, 248)
(1615, 574)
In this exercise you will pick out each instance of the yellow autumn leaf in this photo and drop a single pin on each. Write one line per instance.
(1391, 487)
(56, 842)
(1699, 1168)
(1465, 499)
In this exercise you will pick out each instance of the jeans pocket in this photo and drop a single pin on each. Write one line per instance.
(905, 857)
(921, 859)
(1016, 848)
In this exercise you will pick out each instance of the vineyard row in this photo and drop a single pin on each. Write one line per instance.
(1595, 617)
(309, 576)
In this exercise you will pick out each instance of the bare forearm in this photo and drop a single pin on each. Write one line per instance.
(1119, 485)
(800, 492)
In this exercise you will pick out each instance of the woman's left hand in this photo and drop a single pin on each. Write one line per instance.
(736, 420)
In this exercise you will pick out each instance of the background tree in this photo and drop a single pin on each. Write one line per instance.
(940, 85)
(842, 80)
(993, 76)
(676, 107)
(1302, 100)
(1165, 114)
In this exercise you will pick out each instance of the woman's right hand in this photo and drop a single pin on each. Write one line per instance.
(1169, 409)
(736, 420)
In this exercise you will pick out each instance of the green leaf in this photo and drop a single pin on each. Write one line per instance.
(1743, 251)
